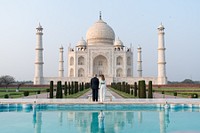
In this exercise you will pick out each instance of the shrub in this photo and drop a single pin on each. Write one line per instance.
(48, 90)
(65, 89)
(82, 86)
(72, 87)
(135, 89)
(38, 92)
(142, 89)
(6, 96)
(175, 94)
(194, 95)
(76, 87)
(69, 87)
(51, 90)
(26, 93)
(150, 93)
(59, 90)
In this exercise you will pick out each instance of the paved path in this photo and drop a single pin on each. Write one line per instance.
(108, 92)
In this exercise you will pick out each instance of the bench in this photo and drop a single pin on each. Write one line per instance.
(90, 97)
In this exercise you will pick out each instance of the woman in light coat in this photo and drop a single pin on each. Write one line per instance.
(102, 88)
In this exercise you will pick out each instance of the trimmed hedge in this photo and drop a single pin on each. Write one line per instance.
(150, 93)
(6, 96)
(51, 90)
(194, 95)
(26, 93)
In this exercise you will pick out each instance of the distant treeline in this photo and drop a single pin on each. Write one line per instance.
(186, 81)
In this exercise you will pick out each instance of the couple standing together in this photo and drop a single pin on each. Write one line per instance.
(98, 85)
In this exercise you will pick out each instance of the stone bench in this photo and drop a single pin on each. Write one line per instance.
(90, 97)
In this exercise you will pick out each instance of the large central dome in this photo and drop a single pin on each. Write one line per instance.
(100, 34)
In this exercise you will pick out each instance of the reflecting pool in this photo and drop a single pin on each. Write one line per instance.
(64, 119)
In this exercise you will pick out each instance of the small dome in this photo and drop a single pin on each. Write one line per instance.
(81, 43)
(118, 43)
(139, 47)
(100, 32)
(39, 26)
(161, 27)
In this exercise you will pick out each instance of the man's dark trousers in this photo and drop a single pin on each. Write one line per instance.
(95, 87)
(95, 94)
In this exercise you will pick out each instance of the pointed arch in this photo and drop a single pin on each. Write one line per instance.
(119, 72)
(100, 65)
(71, 61)
(128, 60)
(129, 72)
(71, 72)
(119, 60)
(81, 60)
(81, 72)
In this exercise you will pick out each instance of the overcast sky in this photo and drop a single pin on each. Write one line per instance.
(133, 21)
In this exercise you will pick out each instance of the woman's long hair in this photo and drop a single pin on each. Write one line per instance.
(102, 77)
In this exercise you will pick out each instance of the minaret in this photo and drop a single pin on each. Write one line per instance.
(38, 78)
(61, 63)
(139, 62)
(162, 79)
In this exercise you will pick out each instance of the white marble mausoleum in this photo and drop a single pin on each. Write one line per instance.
(100, 53)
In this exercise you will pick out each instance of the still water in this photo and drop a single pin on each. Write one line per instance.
(35, 120)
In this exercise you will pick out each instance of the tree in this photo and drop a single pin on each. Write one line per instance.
(187, 81)
(6, 80)
(18, 86)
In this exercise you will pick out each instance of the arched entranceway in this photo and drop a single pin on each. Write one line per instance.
(100, 65)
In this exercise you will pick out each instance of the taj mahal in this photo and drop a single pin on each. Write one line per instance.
(100, 53)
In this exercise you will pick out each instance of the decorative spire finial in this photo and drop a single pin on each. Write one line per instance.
(39, 25)
(100, 15)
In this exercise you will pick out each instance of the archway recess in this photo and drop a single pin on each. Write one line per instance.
(100, 65)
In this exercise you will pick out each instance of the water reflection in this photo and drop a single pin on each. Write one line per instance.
(102, 121)
(94, 123)
(37, 120)
(60, 116)
(164, 120)
(140, 117)
(101, 118)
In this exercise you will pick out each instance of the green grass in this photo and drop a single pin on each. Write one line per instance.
(76, 95)
(23, 89)
(32, 91)
(123, 94)
(13, 94)
(176, 89)
(181, 92)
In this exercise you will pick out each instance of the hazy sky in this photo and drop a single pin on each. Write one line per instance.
(66, 21)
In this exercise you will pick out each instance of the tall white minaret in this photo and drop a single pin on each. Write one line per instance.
(139, 61)
(38, 78)
(61, 63)
(162, 78)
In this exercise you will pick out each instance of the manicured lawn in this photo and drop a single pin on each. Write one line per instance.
(76, 95)
(123, 94)
(13, 94)
(33, 91)
(181, 92)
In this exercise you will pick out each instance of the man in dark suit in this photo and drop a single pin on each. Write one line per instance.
(95, 87)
